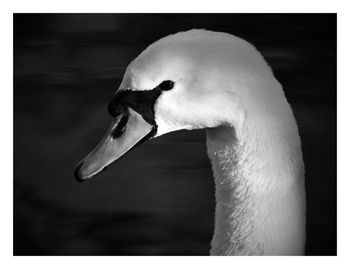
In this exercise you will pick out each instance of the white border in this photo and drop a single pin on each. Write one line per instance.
(152, 6)
(6, 196)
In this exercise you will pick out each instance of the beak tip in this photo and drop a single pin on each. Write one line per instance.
(77, 173)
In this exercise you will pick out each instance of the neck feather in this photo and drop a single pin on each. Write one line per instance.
(260, 196)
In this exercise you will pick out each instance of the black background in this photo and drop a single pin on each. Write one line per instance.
(159, 200)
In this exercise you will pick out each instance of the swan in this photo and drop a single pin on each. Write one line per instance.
(201, 79)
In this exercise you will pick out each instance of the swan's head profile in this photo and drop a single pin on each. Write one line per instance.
(190, 80)
(202, 79)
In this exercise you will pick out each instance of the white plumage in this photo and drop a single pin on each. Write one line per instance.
(223, 84)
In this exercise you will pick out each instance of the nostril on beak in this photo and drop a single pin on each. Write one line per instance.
(77, 175)
(120, 128)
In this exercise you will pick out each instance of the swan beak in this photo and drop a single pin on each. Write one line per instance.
(127, 131)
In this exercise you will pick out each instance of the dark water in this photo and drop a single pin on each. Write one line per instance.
(160, 198)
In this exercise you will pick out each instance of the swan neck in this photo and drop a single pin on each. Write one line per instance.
(259, 189)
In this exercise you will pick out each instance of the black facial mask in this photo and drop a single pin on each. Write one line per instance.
(141, 101)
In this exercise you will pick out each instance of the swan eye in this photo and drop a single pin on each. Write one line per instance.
(166, 85)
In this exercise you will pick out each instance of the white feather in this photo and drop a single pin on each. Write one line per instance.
(222, 83)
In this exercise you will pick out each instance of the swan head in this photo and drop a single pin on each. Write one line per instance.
(190, 80)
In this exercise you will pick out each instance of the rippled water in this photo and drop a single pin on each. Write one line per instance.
(160, 199)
